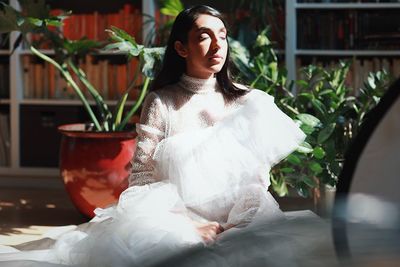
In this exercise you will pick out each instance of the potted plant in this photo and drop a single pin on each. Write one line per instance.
(95, 160)
(326, 109)
(94, 157)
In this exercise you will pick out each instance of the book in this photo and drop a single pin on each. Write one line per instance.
(348, 29)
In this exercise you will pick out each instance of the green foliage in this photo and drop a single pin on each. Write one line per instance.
(325, 108)
(171, 7)
(36, 19)
(259, 66)
(123, 42)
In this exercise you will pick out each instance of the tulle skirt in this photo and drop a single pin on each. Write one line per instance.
(219, 173)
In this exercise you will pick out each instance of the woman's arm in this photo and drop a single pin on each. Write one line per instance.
(151, 130)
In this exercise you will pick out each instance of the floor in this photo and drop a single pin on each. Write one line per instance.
(27, 213)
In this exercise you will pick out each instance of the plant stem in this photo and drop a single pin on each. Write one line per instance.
(103, 108)
(119, 109)
(69, 79)
(137, 104)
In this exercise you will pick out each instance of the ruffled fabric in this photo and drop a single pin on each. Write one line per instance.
(215, 167)
(217, 173)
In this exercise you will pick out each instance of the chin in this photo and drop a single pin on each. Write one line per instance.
(216, 68)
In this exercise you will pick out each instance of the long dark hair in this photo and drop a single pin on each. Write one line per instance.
(174, 65)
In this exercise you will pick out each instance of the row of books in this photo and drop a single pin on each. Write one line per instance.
(348, 29)
(93, 25)
(359, 70)
(43, 81)
(4, 80)
(4, 139)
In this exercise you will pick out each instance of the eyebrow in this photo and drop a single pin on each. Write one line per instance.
(223, 29)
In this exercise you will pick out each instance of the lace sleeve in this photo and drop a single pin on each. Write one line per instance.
(151, 130)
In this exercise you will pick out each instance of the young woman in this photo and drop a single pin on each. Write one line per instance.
(205, 147)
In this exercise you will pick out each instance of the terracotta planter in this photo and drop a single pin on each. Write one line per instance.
(95, 165)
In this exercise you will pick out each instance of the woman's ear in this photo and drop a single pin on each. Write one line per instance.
(180, 49)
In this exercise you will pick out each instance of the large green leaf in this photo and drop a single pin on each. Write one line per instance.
(80, 47)
(294, 159)
(326, 132)
(123, 42)
(307, 129)
(304, 148)
(319, 107)
(172, 7)
(308, 119)
(152, 58)
(316, 167)
(319, 152)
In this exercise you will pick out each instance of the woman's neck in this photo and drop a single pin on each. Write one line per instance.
(198, 85)
(200, 75)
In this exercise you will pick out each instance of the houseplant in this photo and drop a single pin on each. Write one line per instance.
(324, 121)
(110, 149)
(326, 109)
(95, 157)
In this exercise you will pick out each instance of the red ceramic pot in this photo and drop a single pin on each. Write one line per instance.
(95, 165)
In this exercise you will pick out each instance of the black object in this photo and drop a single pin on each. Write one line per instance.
(349, 179)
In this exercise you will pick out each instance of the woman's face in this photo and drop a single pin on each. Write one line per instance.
(206, 50)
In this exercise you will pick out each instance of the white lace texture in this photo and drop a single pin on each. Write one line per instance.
(198, 157)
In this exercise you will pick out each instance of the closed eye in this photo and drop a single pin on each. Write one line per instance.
(204, 36)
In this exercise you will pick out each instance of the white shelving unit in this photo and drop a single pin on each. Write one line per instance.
(17, 101)
(292, 51)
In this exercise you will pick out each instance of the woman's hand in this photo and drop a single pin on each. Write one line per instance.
(209, 230)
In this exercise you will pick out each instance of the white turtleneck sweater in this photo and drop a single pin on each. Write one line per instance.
(190, 104)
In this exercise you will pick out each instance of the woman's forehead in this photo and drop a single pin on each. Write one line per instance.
(205, 21)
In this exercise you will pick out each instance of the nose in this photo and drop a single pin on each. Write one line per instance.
(216, 44)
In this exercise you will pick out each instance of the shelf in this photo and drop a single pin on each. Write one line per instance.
(346, 5)
(312, 52)
(22, 111)
(51, 52)
(66, 102)
(109, 53)
(29, 52)
(296, 48)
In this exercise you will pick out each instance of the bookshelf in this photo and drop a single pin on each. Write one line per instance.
(15, 105)
(26, 118)
(322, 32)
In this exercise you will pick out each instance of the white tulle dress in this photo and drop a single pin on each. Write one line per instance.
(199, 157)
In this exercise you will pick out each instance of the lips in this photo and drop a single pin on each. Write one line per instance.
(216, 57)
